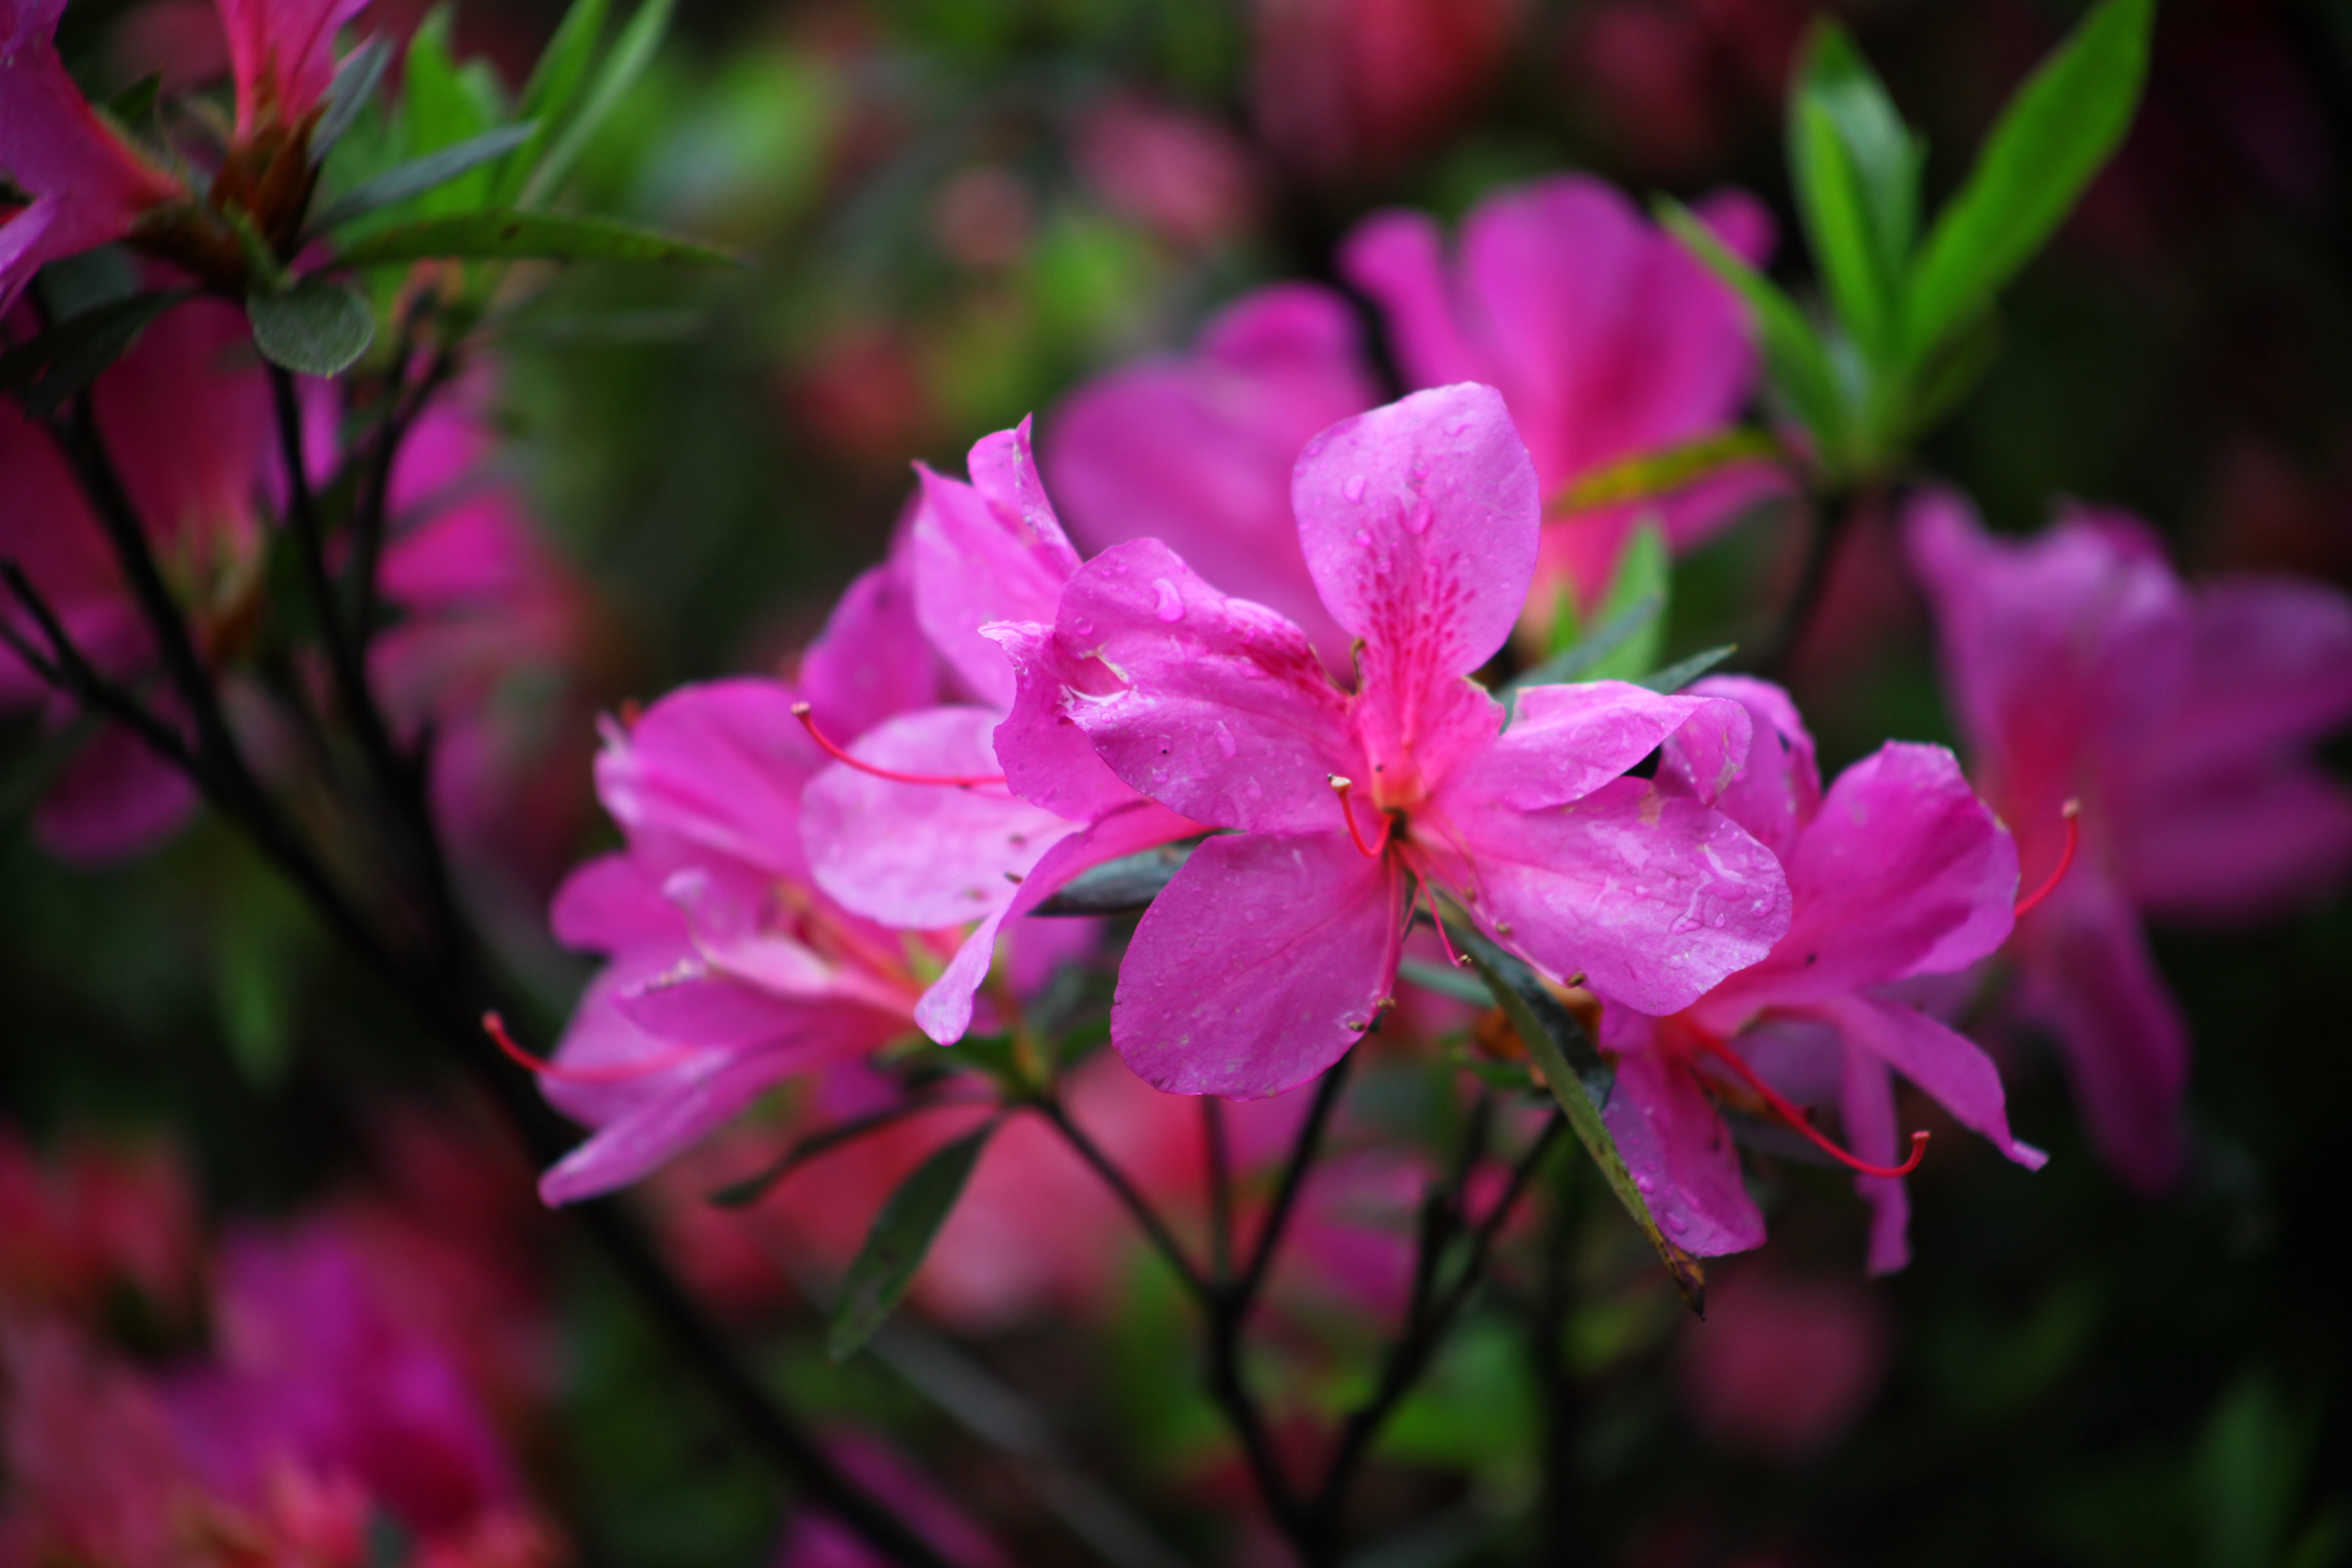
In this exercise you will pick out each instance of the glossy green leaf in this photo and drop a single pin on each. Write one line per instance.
(1856, 172)
(2053, 136)
(315, 328)
(631, 53)
(67, 358)
(1571, 1065)
(508, 234)
(419, 176)
(894, 1250)
(549, 97)
(1793, 353)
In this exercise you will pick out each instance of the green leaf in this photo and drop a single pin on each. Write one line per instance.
(136, 102)
(444, 104)
(505, 233)
(1444, 979)
(1856, 172)
(1553, 1037)
(419, 176)
(315, 328)
(354, 85)
(1645, 476)
(2057, 131)
(1639, 589)
(1793, 352)
(894, 1249)
(548, 98)
(67, 358)
(1118, 886)
(632, 52)
(1682, 672)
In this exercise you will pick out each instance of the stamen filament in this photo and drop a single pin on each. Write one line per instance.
(2072, 812)
(1796, 1118)
(619, 1072)
(1343, 787)
(825, 745)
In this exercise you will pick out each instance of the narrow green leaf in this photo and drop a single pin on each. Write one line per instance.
(1856, 172)
(315, 328)
(632, 52)
(136, 102)
(419, 176)
(1648, 476)
(554, 88)
(1793, 353)
(67, 358)
(508, 234)
(1551, 1035)
(894, 1250)
(1120, 887)
(1641, 588)
(354, 85)
(2053, 136)
(444, 103)
(1682, 672)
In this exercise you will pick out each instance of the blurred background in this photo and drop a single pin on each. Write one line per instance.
(960, 210)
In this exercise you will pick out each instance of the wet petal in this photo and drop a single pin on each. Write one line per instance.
(1681, 1156)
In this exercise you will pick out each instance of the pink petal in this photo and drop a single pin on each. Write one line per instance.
(990, 550)
(2264, 839)
(923, 856)
(2090, 977)
(1654, 898)
(1904, 872)
(283, 54)
(1866, 1105)
(1951, 1068)
(1198, 451)
(613, 902)
(871, 660)
(678, 1112)
(713, 769)
(115, 799)
(1259, 965)
(1777, 788)
(1565, 742)
(1221, 712)
(945, 1011)
(1046, 758)
(1681, 1156)
(1419, 523)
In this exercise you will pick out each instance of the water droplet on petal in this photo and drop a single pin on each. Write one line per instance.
(1167, 603)
(1418, 520)
(1363, 540)
(1354, 489)
(1225, 744)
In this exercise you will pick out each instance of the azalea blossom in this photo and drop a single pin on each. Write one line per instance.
(1898, 872)
(1275, 947)
(920, 826)
(2182, 721)
(1606, 338)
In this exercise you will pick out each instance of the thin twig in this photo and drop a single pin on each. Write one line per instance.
(1147, 1219)
(1220, 1158)
(1294, 1176)
(70, 672)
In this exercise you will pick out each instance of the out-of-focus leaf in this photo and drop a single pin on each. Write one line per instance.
(73, 284)
(136, 102)
(548, 98)
(355, 82)
(419, 176)
(1646, 476)
(316, 328)
(1800, 365)
(67, 358)
(445, 102)
(2250, 1472)
(1682, 672)
(1857, 176)
(631, 53)
(1446, 980)
(1639, 591)
(2053, 136)
(505, 234)
(1118, 886)
(894, 1250)
(1567, 1055)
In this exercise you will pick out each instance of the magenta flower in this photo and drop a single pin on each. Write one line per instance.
(87, 184)
(919, 827)
(1606, 338)
(1898, 872)
(1277, 946)
(282, 54)
(2079, 668)
(1197, 450)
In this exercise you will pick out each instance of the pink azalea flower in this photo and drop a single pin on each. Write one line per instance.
(920, 826)
(1605, 337)
(1180, 174)
(282, 54)
(2183, 721)
(87, 184)
(1338, 87)
(1196, 451)
(1276, 945)
(1784, 1366)
(1899, 870)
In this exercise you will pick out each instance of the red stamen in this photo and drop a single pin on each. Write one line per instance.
(1796, 1118)
(824, 744)
(619, 1072)
(1342, 786)
(2072, 812)
(1438, 920)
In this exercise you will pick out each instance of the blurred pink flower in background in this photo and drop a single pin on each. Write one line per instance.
(1785, 1364)
(2078, 667)
(816, 1540)
(1606, 338)
(1338, 88)
(1674, 83)
(95, 1218)
(1180, 174)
